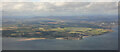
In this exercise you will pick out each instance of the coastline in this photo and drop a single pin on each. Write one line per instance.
(60, 38)
(28, 39)
(106, 41)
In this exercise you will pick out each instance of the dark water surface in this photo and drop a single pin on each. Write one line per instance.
(107, 41)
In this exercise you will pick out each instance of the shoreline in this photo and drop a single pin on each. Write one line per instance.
(29, 39)
(37, 38)
(42, 38)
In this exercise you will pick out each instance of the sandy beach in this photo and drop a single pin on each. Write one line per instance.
(28, 39)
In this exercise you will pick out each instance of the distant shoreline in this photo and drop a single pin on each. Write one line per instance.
(41, 38)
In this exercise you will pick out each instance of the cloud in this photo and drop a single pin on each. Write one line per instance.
(58, 8)
(60, 0)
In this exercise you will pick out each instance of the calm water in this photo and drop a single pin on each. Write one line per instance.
(107, 41)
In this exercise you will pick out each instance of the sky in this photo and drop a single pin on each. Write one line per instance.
(60, 0)
(59, 8)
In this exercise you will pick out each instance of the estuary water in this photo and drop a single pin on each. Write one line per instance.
(107, 41)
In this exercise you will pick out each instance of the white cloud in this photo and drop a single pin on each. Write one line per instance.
(53, 8)
(18, 6)
(58, 4)
(60, 0)
(0, 5)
